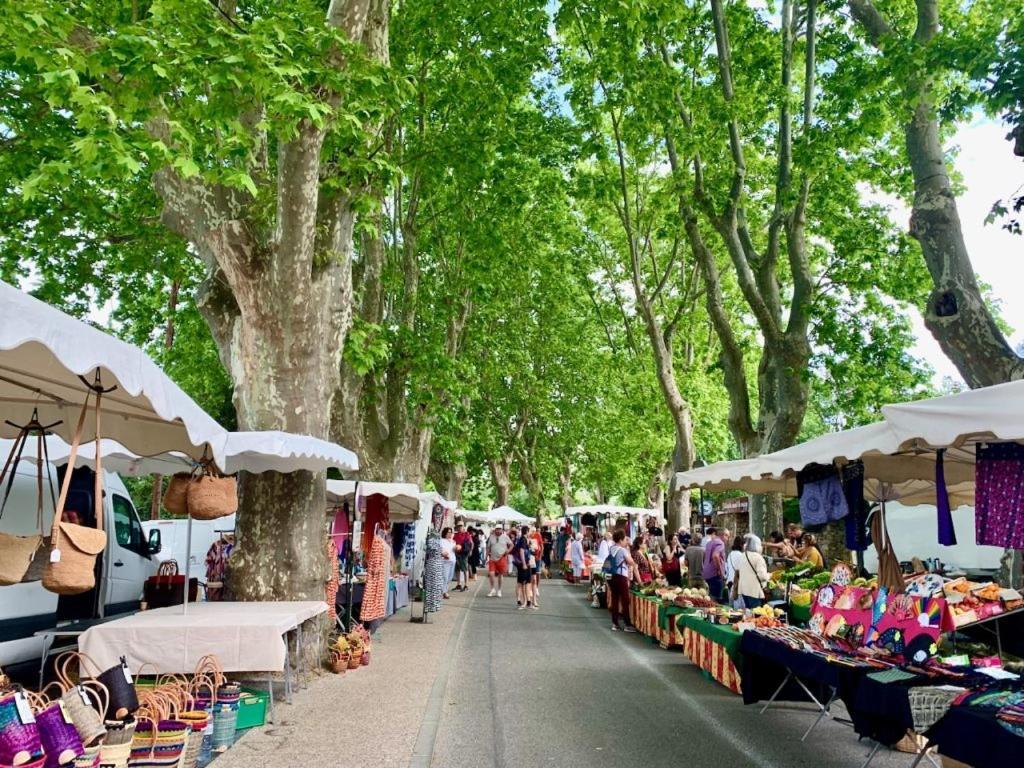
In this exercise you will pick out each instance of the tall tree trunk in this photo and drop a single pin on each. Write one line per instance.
(956, 314)
(656, 488)
(564, 488)
(449, 478)
(501, 478)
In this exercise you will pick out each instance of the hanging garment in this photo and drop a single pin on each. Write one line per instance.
(857, 538)
(947, 533)
(999, 495)
(375, 517)
(376, 594)
(409, 548)
(822, 499)
(216, 568)
(333, 579)
(433, 574)
(890, 575)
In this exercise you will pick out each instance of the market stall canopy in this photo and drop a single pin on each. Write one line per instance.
(908, 476)
(989, 413)
(510, 515)
(613, 509)
(248, 451)
(43, 352)
(434, 497)
(474, 515)
(403, 498)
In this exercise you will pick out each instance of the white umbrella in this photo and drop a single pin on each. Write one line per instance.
(403, 498)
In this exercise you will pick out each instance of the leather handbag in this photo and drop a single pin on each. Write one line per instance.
(167, 587)
(18, 552)
(74, 548)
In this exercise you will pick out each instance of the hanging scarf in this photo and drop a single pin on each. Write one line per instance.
(947, 533)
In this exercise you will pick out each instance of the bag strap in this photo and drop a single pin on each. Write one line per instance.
(760, 583)
(65, 486)
(13, 458)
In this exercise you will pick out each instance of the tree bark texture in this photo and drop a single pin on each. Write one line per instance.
(501, 478)
(449, 478)
(957, 314)
(278, 303)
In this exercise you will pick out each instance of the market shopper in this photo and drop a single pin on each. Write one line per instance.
(522, 559)
(644, 570)
(713, 569)
(603, 548)
(809, 551)
(779, 547)
(537, 560)
(731, 564)
(476, 560)
(576, 557)
(498, 547)
(671, 567)
(752, 576)
(618, 582)
(448, 553)
(463, 551)
(695, 561)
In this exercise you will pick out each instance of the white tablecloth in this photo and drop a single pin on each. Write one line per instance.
(245, 637)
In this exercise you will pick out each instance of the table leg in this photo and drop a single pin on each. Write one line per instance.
(300, 669)
(270, 698)
(823, 707)
(778, 690)
(47, 645)
(871, 754)
(287, 670)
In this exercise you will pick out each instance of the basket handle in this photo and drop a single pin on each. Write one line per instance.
(61, 665)
(37, 701)
(95, 688)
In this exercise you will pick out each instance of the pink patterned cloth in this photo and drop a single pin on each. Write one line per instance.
(999, 495)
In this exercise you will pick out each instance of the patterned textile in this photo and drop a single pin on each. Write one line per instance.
(822, 501)
(377, 573)
(999, 495)
(712, 658)
(409, 547)
(376, 517)
(433, 574)
(331, 591)
(216, 568)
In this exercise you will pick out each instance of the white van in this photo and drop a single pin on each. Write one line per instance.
(174, 541)
(129, 559)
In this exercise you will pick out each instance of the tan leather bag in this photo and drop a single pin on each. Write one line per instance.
(18, 552)
(74, 548)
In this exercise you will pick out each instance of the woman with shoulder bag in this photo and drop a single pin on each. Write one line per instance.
(752, 577)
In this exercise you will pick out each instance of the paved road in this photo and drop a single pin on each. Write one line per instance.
(527, 689)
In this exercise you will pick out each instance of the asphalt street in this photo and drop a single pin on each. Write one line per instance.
(557, 687)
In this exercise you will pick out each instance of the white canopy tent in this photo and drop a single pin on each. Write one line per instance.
(616, 510)
(507, 514)
(990, 413)
(907, 476)
(43, 352)
(403, 498)
(473, 515)
(248, 451)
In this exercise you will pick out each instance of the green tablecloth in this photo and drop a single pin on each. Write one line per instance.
(722, 634)
(664, 611)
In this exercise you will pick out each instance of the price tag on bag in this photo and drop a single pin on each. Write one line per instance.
(24, 710)
(54, 555)
(85, 696)
(126, 673)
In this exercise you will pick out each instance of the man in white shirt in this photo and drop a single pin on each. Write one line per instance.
(498, 547)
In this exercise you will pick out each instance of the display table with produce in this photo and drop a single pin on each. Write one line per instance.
(713, 647)
(643, 612)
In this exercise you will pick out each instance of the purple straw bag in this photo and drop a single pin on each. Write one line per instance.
(58, 734)
(19, 735)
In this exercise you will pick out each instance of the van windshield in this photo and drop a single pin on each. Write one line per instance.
(127, 527)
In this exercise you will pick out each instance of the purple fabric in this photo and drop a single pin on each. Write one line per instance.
(999, 495)
(713, 544)
(947, 533)
(823, 501)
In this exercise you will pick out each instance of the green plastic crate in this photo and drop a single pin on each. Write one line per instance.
(252, 709)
